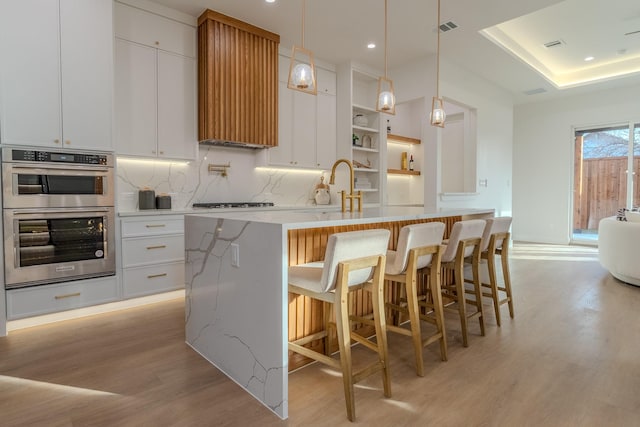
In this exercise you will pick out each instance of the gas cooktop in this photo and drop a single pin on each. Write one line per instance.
(233, 205)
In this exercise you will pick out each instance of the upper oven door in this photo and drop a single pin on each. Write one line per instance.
(32, 185)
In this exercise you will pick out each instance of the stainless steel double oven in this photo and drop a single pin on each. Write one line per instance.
(58, 211)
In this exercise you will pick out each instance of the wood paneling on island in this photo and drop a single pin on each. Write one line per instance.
(307, 245)
(237, 81)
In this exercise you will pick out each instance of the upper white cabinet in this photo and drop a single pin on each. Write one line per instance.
(306, 123)
(155, 85)
(56, 73)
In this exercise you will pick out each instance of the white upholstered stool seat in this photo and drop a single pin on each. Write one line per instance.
(353, 260)
(464, 242)
(418, 249)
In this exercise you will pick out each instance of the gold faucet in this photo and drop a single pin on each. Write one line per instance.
(351, 196)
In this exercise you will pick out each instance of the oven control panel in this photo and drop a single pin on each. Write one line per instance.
(60, 157)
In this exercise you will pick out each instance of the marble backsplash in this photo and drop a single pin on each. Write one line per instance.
(189, 183)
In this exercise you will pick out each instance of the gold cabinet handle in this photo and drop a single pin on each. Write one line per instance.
(75, 294)
(153, 276)
(154, 225)
(157, 247)
(56, 141)
(67, 142)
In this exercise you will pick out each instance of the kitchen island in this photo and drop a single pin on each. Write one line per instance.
(237, 306)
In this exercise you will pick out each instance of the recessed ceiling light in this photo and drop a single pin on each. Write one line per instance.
(270, 1)
(589, 58)
(371, 45)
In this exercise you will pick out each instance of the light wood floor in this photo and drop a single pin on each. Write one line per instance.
(571, 357)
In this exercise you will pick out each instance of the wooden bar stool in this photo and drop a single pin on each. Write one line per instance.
(353, 260)
(495, 241)
(464, 242)
(419, 248)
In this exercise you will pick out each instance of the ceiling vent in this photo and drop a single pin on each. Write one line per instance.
(554, 43)
(534, 91)
(448, 26)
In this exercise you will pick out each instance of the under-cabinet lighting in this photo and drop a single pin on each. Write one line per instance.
(151, 162)
(589, 58)
(290, 170)
(371, 46)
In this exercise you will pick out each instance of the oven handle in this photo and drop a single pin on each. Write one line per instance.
(74, 168)
(61, 210)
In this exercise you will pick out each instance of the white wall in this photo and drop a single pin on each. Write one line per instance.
(494, 132)
(543, 158)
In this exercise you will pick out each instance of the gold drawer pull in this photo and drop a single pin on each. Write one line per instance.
(157, 247)
(153, 276)
(76, 294)
(154, 225)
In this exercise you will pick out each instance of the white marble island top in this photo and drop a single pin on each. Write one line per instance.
(236, 306)
(302, 218)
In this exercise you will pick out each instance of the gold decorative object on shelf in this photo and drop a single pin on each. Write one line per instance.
(403, 161)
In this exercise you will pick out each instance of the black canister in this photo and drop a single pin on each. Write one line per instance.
(163, 201)
(146, 199)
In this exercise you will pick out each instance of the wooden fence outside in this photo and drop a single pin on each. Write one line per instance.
(600, 189)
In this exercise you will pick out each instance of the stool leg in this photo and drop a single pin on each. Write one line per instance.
(326, 314)
(507, 276)
(438, 308)
(377, 299)
(344, 344)
(478, 288)
(462, 304)
(493, 282)
(414, 318)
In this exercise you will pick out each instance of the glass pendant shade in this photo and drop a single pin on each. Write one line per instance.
(386, 102)
(438, 115)
(302, 71)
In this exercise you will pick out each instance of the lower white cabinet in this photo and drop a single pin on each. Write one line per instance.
(45, 299)
(152, 254)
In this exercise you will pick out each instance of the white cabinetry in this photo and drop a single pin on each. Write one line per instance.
(44, 299)
(306, 123)
(152, 254)
(155, 85)
(56, 73)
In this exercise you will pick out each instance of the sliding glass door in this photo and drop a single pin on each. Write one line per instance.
(606, 175)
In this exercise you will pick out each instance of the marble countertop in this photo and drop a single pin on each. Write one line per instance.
(146, 212)
(306, 218)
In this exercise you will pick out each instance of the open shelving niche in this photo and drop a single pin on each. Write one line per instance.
(358, 87)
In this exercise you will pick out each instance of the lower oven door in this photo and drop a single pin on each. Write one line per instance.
(54, 245)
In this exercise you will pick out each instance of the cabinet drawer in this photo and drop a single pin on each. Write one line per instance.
(138, 281)
(150, 226)
(59, 297)
(154, 30)
(152, 250)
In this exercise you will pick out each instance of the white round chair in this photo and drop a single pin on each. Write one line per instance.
(618, 245)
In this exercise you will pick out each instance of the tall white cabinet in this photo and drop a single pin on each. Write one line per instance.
(306, 123)
(56, 73)
(155, 85)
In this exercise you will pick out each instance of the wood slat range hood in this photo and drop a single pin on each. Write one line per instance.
(237, 83)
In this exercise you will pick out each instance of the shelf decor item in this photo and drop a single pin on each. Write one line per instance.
(360, 120)
(386, 99)
(302, 69)
(366, 141)
(438, 116)
(356, 140)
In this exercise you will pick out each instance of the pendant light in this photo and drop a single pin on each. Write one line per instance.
(302, 69)
(438, 115)
(386, 99)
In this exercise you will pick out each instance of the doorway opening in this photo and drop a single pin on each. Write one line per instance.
(606, 178)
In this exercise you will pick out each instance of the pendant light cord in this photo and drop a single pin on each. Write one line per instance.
(385, 38)
(438, 55)
(304, 4)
